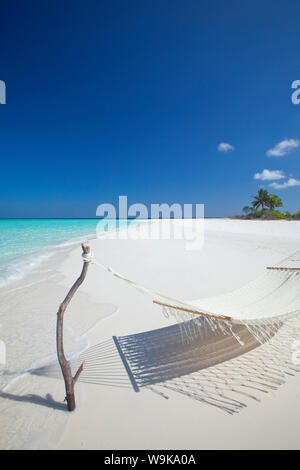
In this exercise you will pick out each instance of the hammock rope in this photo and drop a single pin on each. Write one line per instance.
(262, 290)
(262, 305)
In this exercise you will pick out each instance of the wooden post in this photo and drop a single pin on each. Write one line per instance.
(64, 364)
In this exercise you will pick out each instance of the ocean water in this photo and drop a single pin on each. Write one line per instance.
(20, 239)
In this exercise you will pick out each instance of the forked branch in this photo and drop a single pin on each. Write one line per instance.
(64, 363)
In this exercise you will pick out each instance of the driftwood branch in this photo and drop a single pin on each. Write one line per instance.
(64, 363)
(80, 369)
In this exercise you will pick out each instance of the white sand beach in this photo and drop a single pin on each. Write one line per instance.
(112, 415)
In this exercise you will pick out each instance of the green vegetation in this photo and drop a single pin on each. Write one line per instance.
(264, 206)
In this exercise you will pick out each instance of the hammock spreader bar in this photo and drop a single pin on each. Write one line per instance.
(279, 268)
(195, 312)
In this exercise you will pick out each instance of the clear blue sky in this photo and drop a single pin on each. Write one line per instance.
(120, 97)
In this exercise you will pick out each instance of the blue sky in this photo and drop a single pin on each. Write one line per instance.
(109, 98)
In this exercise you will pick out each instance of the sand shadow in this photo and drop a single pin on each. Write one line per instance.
(48, 401)
(190, 358)
(159, 355)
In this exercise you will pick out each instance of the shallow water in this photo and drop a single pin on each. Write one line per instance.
(20, 239)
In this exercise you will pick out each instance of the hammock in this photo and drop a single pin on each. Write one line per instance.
(262, 305)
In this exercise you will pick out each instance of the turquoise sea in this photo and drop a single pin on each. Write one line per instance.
(20, 239)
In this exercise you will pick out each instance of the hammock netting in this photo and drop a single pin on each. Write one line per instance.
(262, 305)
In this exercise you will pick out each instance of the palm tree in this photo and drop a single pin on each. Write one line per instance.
(261, 199)
(274, 201)
(247, 209)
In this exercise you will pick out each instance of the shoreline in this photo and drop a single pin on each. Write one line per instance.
(42, 255)
(25, 264)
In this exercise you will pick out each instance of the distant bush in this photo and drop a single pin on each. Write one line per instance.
(296, 215)
(278, 215)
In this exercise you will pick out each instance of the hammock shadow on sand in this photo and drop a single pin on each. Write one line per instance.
(190, 359)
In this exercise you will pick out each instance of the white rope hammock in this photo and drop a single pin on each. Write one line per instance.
(273, 294)
(266, 302)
